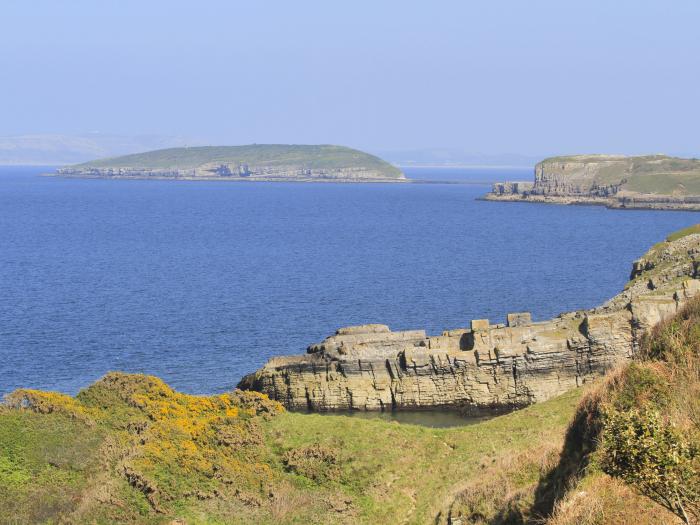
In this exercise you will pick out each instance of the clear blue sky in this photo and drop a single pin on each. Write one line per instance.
(525, 77)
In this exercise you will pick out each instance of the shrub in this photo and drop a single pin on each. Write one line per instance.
(639, 447)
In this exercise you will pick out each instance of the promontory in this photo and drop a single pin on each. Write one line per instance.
(616, 181)
(486, 367)
(256, 162)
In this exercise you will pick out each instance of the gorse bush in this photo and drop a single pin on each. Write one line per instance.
(165, 444)
(651, 430)
(647, 452)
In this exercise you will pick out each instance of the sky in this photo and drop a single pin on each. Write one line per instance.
(528, 77)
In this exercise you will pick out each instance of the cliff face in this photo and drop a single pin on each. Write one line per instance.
(484, 366)
(257, 162)
(616, 181)
(571, 177)
(235, 171)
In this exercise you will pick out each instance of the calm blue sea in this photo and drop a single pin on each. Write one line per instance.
(201, 282)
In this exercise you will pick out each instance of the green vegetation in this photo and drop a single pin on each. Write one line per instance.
(683, 233)
(666, 183)
(641, 427)
(130, 449)
(268, 155)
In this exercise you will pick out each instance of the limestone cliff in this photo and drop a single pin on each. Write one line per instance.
(257, 162)
(654, 181)
(485, 366)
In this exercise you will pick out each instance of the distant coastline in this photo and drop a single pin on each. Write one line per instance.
(464, 166)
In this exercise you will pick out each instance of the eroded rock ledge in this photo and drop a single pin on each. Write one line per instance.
(234, 172)
(485, 366)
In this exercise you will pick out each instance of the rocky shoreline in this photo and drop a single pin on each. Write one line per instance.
(616, 203)
(224, 173)
(619, 203)
(485, 366)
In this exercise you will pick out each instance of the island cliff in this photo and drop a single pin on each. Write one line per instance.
(257, 162)
(649, 182)
(486, 366)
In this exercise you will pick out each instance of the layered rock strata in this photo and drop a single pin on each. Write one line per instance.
(240, 172)
(484, 366)
(649, 182)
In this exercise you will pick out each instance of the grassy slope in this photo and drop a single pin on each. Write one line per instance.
(683, 233)
(642, 427)
(323, 156)
(127, 450)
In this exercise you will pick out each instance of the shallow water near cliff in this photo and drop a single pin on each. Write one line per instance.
(201, 282)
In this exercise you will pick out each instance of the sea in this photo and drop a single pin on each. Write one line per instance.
(200, 283)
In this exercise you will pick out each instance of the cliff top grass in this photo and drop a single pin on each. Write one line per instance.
(130, 449)
(309, 156)
(690, 230)
(602, 157)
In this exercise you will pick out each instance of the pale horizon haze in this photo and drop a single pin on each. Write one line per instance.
(532, 78)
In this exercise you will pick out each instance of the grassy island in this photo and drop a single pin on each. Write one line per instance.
(272, 162)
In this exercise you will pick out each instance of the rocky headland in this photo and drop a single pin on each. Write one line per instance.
(645, 182)
(257, 162)
(486, 366)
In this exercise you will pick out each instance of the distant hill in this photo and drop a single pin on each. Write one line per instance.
(53, 150)
(454, 157)
(618, 181)
(272, 162)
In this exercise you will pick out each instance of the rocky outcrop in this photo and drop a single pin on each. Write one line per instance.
(654, 182)
(241, 172)
(485, 366)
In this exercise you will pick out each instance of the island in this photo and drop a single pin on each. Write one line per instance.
(616, 181)
(256, 162)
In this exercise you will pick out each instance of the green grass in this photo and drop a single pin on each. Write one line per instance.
(308, 156)
(684, 233)
(396, 470)
(666, 183)
(196, 464)
(46, 461)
